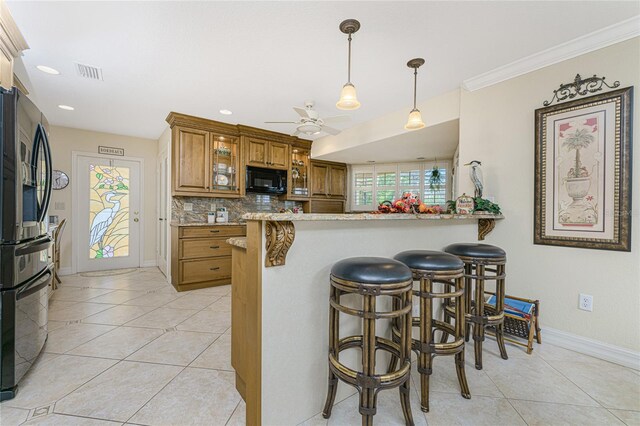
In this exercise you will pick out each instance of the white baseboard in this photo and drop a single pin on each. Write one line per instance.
(594, 348)
(149, 263)
(65, 271)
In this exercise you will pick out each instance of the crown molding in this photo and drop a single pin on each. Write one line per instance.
(599, 39)
(10, 35)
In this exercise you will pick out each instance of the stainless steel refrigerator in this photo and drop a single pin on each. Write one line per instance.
(25, 269)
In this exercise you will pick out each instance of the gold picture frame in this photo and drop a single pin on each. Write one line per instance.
(583, 172)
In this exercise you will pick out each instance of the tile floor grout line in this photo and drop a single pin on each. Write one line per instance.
(572, 382)
(517, 411)
(618, 417)
(233, 412)
(203, 351)
(155, 394)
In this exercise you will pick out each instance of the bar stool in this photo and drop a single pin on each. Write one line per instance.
(370, 277)
(436, 267)
(482, 262)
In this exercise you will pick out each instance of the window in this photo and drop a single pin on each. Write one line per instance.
(373, 184)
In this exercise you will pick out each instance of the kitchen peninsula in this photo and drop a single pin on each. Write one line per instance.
(280, 298)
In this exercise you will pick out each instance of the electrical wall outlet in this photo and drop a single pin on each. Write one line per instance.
(213, 207)
(59, 205)
(585, 302)
(188, 207)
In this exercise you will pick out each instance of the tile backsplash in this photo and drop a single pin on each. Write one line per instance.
(235, 206)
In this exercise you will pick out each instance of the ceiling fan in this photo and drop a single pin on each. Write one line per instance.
(310, 122)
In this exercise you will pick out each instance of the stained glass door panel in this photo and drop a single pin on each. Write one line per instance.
(108, 212)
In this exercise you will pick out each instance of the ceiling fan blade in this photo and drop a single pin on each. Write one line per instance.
(281, 122)
(302, 112)
(330, 130)
(337, 119)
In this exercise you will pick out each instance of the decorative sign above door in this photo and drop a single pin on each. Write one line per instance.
(109, 150)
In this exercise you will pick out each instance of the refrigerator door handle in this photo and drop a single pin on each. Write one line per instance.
(41, 138)
(35, 286)
(33, 248)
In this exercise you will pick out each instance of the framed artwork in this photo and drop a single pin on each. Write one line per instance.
(583, 172)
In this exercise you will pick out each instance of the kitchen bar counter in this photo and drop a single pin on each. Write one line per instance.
(364, 216)
(177, 223)
(280, 299)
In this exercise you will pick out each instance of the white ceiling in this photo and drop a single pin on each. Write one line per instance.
(260, 58)
(438, 141)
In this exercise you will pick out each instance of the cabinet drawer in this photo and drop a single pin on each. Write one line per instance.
(193, 271)
(212, 231)
(204, 247)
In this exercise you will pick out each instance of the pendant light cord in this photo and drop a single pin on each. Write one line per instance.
(349, 66)
(415, 86)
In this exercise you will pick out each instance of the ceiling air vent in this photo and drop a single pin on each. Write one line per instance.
(89, 71)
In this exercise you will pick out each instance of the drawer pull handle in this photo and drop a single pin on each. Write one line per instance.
(214, 247)
(214, 231)
(214, 269)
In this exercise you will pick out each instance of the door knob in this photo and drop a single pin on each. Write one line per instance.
(136, 219)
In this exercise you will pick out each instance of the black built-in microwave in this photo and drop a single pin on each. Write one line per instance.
(266, 181)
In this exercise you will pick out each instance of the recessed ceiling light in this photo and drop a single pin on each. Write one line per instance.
(66, 107)
(225, 112)
(48, 70)
(371, 161)
(420, 158)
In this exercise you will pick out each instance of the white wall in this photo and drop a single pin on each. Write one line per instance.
(64, 141)
(497, 127)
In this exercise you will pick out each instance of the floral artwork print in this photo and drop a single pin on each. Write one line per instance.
(580, 159)
(108, 211)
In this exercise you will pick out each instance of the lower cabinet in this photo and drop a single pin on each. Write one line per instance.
(200, 255)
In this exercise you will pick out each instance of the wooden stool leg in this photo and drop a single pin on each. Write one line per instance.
(395, 323)
(468, 291)
(334, 334)
(478, 327)
(367, 392)
(460, 329)
(405, 351)
(425, 359)
(500, 294)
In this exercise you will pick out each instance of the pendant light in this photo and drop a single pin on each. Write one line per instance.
(348, 99)
(415, 118)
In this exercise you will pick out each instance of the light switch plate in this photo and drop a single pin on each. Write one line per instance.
(188, 207)
(59, 205)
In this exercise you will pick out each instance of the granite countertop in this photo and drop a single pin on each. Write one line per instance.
(363, 216)
(176, 223)
(238, 242)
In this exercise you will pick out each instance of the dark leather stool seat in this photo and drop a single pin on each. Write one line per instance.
(429, 260)
(371, 270)
(475, 250)
(368, 278)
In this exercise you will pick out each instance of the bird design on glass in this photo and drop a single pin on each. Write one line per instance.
(104, 218)
(475, 173)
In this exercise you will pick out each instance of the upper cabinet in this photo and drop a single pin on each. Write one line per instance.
(190, 154)
(12, 43)
(299, 178)
(267, 154)
(225, 164)
(328, 180)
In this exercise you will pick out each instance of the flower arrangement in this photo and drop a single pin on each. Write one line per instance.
(408, 203)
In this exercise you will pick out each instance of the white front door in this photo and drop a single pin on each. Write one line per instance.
(107, 213)
(163, 215)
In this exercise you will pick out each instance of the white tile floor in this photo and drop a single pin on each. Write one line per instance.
(129, 349)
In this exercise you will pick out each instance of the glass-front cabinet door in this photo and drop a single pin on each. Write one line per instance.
(299, 172)
(225, 164)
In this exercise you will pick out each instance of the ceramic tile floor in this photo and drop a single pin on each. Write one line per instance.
(129, 349)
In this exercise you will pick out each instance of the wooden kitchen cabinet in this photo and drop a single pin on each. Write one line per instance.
(328, 180)
(267, 154)
(190, 154)
(201, 256)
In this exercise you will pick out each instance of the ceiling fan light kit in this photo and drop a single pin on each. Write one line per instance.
(348, 98)
(415, 118)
